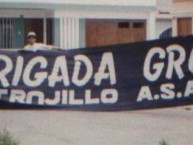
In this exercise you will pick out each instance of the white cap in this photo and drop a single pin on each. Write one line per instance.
(31, 34)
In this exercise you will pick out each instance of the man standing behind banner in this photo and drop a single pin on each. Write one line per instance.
(33, 45)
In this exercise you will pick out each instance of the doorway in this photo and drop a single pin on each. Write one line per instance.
(13, 31)
(184, 26)
(108, 32)
(35, 25)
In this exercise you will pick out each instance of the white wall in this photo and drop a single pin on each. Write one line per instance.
(164, 5)
(87, 2)
(183, 9)
(26, 13)
(103, 12)
(162, 25)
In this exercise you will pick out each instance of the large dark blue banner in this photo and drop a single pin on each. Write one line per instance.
(141, 75)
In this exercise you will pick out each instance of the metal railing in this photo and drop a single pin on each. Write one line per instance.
(6, 32)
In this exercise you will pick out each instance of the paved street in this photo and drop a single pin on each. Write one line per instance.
(174, 125)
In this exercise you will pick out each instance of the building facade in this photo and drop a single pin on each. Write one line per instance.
(182, 17)
(73, 24)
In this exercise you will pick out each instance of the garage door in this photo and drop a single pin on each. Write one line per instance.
(184, 26)
(108, 32)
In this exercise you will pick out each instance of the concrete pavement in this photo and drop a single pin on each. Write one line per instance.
(174, 125)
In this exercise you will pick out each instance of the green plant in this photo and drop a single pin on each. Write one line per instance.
(7, 139)
(163, 142)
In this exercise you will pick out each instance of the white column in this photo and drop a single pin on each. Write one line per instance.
(45, 30)
(151, 26)
(77, 33)
(174, 27)
(61, 33)
(69, 28)
(192, 24)
(66, 33)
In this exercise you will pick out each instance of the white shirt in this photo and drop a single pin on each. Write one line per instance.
(37, 46)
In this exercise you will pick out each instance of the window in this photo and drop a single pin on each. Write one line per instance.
(123, 25)
(138, 25)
